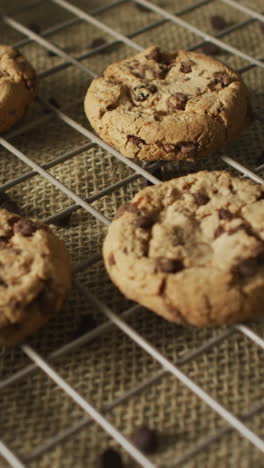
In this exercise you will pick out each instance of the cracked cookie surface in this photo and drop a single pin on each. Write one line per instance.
(34, 276)
(192, 249)
(18, 86)
(171, 106)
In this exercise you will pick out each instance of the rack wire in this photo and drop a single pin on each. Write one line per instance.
(166, 366)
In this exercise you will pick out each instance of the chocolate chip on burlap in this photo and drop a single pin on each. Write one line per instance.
(110, 458)
(145, 439)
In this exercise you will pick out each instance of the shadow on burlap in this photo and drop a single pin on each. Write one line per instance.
(34, 409)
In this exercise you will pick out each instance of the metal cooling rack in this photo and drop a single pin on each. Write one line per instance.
(38, 362)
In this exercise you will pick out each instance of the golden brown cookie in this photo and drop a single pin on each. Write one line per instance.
(34, 276)
(171, 106)
(18, 86)
(192, 249)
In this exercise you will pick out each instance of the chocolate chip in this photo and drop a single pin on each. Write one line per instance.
(145, 439)
(144, 222)
(110, 458)
(158, 116)
(201, 198)
(63, 220)
(87, 323)
(218, 22)
(225, 214)
(2, 283)
(177, 101)
(211, 49)
(7, 203)
(239, 228)
(162, 286)
(34, 27)
(112, 106)
(135, 140)
(111, 259)
(25, 227)
(186, 67)
(14, 303)
(4, 240)
(188, 147)
(132, 208)
(220, 230)
(247, 267)
(221, 80)
(97, 42)
(141, 93)
(54, 102)
(169, 147)
(169, 265)
(162, 58)
(153, 89)
(156, 55)
(124, 208)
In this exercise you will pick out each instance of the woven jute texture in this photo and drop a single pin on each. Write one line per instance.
(33, 409)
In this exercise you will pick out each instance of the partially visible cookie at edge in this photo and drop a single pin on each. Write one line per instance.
(192, 249)
(35, 276)
(171, 106)
(18, 86)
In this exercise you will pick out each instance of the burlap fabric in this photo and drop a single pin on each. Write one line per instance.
(34, 409)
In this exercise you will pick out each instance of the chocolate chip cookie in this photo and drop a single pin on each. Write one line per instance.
(192, 249)
(18, 86)
(34, 276)
(171, 106)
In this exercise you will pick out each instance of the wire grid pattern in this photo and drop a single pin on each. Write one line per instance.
(65, 399)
